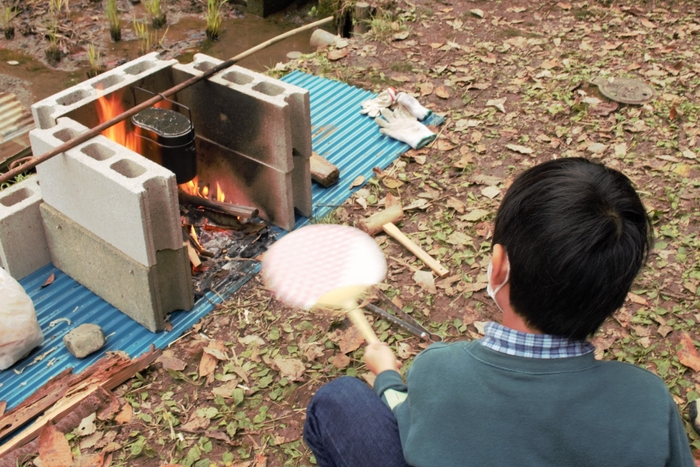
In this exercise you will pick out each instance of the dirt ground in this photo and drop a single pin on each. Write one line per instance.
(512, 80)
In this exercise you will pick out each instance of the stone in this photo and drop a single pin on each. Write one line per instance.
(321, 38)
(294, 54)
(84, 340)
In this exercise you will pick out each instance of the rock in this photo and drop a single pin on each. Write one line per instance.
(321, 38)
(293, 55)
(84, 340)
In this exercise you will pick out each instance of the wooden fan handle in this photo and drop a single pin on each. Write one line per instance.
(360, 321)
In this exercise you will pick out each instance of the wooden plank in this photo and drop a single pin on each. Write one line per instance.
(323, 172)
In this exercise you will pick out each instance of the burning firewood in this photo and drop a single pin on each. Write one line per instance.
(231, 209)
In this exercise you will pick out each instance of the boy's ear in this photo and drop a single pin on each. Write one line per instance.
(499, 265)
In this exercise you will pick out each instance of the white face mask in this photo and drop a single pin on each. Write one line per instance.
(490, 290)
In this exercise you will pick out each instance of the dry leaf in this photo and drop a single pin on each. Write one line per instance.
(216, 352)
(491, 192)
(399, 36)
(498, 103)
(336, 54)
(87, 425)
(476, 137)
(291, 368)
(391, 182)
(475, 215)
(124, 416)
(425, 280)
(208, 363)
(351, 341)
(357, 182)
(426, 88)
(49, 281)
(688, 354)
(171, 363)
(466, 159)
(54, 450)
(564, 6)
(477, 12)
(647, 24)
(634, 298)
(90, 460)
(520, 149)
(260, 460)
(456, 204)
(195, 424)
(444, 145)
(107, 411)
(340, 360)
(442, 92)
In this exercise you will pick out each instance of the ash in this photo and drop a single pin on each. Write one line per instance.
(224, 245)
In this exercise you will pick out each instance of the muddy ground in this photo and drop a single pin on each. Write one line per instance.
(512, 80)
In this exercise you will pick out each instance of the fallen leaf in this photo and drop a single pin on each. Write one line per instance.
(520, 149)
(209, 361)
(498, 103)
(391, 182)
(474, 287)
(89, 460)
(475, 215)
(491, 191)
(465, 160)
(124, 416)
(340, 360)
(54, 450)
(442, 92)
(688, 354)
(357, 182)
(351, 341)
(596, 148)
(426, 88)
(217, 352)
(425, 280)
(419, 203)
(291, 368)
(444, 145)
(647, 24)
(336, 54)
(634, 298)
(195, 424)
(456, 204)
(477, 12)
(476, 136)
(621, 149)
(90, 441)
(260, 460)
(252, 339)
(399, 36)
(87, 425)
(459, 238)
(48, 281)
(564, 5)
(171, 363)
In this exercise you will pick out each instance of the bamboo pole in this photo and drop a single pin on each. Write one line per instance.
(70, 144)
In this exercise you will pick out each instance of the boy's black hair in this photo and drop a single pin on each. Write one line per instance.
(576, 235)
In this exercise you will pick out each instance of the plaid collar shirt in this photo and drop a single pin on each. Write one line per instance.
(508, 341)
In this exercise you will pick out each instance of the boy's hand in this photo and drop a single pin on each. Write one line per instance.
(379, 358)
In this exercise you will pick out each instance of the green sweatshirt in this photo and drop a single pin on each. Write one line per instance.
(471, 406)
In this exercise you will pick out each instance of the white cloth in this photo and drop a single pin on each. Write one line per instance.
(404, 127)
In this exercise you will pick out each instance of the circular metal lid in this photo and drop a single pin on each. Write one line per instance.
(625, 90)
(163, 122)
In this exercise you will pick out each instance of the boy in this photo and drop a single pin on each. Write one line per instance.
(570, 236)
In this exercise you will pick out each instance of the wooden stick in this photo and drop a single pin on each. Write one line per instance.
(359, 319)
(154, 100)
(323, 172)
(230, 209)
(421, 254)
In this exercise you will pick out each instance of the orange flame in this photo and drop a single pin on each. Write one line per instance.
(109, 107)
(220, 196)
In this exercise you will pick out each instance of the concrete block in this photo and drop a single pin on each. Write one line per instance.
(145, 293)
(23, 247)
(248, 183)
(84, 340)
(256, 116)
(120, 196)
(148, 71)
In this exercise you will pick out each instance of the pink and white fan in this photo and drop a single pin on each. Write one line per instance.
(325, 265)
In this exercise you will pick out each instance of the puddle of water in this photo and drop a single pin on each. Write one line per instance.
(183, 39)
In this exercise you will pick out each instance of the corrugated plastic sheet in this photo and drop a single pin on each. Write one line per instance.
(15, 119)
(340, 133)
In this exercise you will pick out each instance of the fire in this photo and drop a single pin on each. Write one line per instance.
(109, 107)
(220, 196)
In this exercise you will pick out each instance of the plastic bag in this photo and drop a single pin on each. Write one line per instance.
(19, 328)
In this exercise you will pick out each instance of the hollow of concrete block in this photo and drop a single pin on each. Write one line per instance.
(146, 294)
(23, 246)
(148, 71)
(120, 196)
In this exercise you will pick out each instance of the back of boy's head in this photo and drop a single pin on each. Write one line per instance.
(576, 235)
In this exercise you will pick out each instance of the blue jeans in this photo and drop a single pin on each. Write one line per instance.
(348, 425)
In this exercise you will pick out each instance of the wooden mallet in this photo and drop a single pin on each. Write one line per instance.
(384, 221)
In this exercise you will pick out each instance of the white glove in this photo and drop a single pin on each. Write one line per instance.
(413, 106)
(372, 107)
(404, 127)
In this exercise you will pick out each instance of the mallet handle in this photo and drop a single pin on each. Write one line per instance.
(420, 253)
